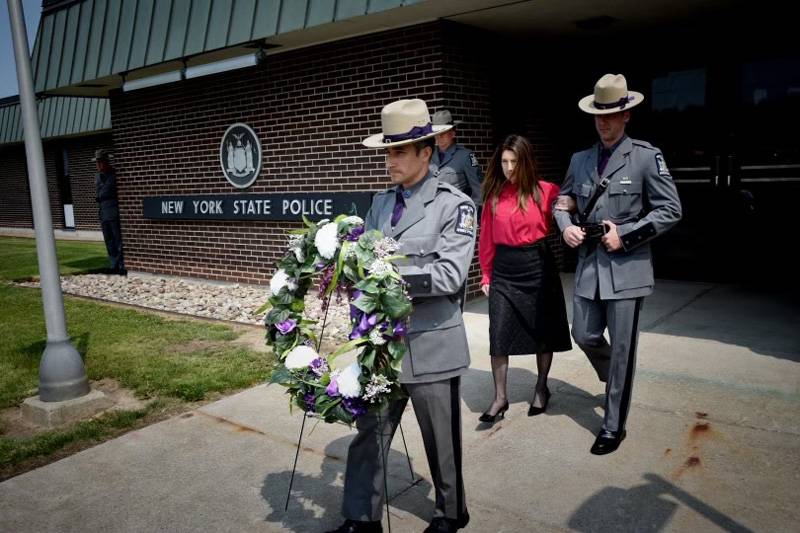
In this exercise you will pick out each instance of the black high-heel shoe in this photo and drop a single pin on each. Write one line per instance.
(499, 415)
(533, 410)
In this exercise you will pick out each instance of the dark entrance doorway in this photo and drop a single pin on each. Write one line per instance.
(722, 102)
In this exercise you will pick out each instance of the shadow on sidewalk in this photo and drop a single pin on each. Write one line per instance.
(477, 390)
(642, 509)
(315, 502)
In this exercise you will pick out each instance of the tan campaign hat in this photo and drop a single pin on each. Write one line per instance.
(443, 116)
(101, 154)
(404, 122)
(611, 95)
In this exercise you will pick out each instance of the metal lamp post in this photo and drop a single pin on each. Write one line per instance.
(62, 375)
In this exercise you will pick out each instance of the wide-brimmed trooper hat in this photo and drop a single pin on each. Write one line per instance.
(404, 122)
(611, 95)
(101, 154)
(443, 117)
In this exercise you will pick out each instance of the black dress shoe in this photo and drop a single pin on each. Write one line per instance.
(607, 441)
(533, 410)
(441, 524)
(357, 526)
(499, 415)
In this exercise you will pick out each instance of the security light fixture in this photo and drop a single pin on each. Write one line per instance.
(152, 81)
(224, 65)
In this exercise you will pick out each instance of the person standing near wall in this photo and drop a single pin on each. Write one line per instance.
(452, 163)
(105, 182)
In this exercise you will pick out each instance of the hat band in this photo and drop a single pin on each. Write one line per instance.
(413, 133)
(621, 103)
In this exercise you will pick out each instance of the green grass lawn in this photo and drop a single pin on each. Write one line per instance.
(173, 361)
(18, 257)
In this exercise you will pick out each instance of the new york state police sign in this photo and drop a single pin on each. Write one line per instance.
(240, 155)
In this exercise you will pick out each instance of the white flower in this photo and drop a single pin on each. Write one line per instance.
(385, 247)
(349, 387)
(327, 240)
(280, 280)
(377, 385)
(323, 222)
(299, 255)
(300, 357)
(379, 267)
(376, 337)
(354, 220)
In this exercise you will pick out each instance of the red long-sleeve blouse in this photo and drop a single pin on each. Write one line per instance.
(508, 225)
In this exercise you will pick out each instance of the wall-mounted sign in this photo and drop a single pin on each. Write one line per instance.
(240, 155)
(279, 206)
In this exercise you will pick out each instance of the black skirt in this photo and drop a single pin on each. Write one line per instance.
(527, 313)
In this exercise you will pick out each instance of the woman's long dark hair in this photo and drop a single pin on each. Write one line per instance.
(525, 171)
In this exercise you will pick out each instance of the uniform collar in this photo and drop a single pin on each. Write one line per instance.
(419, 195)
(440, 157)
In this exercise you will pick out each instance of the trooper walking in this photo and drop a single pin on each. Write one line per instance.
(625, 197)
(105, 182)
(434, 223)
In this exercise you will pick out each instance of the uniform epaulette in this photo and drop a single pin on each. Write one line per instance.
(644, 144)
(442, 186)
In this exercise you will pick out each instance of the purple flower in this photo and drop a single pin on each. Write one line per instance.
(355, 233)
(311, 401)
(332, 389)
(400, 329)
(327, 277)
(319, 366)
(366, 323)
(355, 406)
(286, 326)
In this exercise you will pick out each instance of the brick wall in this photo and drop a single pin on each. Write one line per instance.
(15, 203)
(311, 108)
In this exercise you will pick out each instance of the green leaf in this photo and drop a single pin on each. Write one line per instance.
(395, 304)
(308, 223)
(367, 358)
(367, 285)
(281, 375)
(366, 303)
(346, 347)
(397, 349)
(298, 306)
(263, 308)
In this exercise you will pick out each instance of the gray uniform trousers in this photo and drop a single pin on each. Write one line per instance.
(614, 363)
(438, 409)
(112, 235)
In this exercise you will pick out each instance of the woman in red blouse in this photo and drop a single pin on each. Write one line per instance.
(527, 313)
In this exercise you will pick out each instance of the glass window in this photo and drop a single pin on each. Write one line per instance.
(679, 90)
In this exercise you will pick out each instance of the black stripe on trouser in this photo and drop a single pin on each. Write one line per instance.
(627, 388)
(455, 426)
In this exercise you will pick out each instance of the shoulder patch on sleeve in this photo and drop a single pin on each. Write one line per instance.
(661, 165)
(473, 160)
(465, 225)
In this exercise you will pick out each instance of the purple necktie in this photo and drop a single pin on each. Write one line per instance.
(605, 155)
(399, 205)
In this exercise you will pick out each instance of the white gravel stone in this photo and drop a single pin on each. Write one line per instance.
(232, 302)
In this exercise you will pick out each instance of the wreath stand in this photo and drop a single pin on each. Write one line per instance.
(306, 416)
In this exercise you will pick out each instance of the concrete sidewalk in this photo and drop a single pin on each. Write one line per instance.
(713, 444)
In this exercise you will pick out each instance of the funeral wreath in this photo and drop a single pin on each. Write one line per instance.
(348, 260)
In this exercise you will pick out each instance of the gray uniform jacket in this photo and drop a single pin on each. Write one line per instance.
(437, 237)
(106, 188)
(641, 199)
(459, 167)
